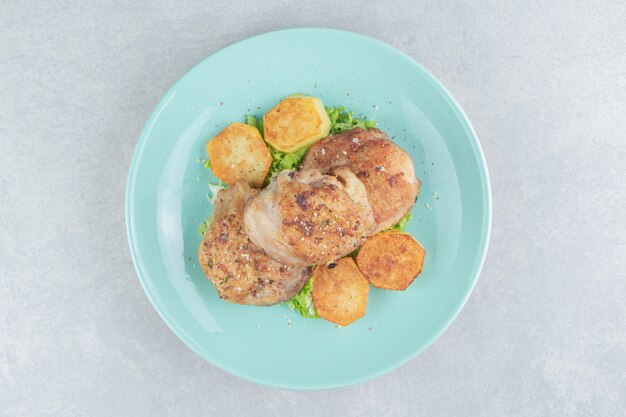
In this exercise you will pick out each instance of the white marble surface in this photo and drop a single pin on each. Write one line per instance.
(544, 332)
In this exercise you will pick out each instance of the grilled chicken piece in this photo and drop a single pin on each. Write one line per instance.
(241, 271)
(304, 217)
(385, 169)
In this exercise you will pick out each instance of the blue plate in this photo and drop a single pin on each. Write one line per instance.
(166, 201)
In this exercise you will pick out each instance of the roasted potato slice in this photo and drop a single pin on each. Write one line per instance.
(340, 292)
(238, 152)
(296, 122)
(391, 260)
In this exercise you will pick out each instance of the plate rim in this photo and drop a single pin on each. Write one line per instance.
(394, 364)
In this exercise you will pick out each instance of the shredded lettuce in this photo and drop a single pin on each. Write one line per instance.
(205, 162)
(205, 225)
(213, 190)
(285, 160)
(303, 301)
(354, 253)
(402, 224)
(253, 121)
(212, 196)
(342, 120)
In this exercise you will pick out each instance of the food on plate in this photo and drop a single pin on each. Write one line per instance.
(238, 152)
(391, 260)
(342, 120)
(385, 169)
(325, 218)
(242, 272)
(303, 302)
(340, 292)
(296, 122)
(304, 217)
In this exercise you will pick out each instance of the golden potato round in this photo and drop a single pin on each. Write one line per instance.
(391, 260)
(340, 292)
(296, 122)
(239, 152)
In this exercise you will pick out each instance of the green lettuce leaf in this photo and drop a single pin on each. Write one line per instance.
(253, 121)
(212, 196)
(285, 160)
(205, 225)
(213, 190)
(342, 120)
(402, 224)
(303, 301)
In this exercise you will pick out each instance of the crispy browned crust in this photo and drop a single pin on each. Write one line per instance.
(390, 197)
(384, 168)
(241, 271)
(340, 292)
(391, 260)
(319, 220)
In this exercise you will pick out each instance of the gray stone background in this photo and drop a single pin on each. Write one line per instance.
(545, 86)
